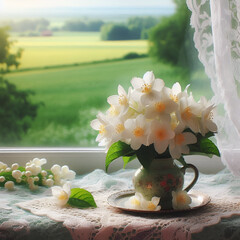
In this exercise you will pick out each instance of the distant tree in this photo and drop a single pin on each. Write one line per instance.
(7, 58)
(83, 26)
(16, 109)
(115, 32)
(94, 26)
(170, 40)
(16, 112)
(135, 28)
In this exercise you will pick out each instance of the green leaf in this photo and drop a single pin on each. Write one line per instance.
(118, 149)
(81, 198)
(204, 146)
(127, 159)
(145, 155)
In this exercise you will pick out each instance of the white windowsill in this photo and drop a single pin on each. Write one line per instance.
(85, 160)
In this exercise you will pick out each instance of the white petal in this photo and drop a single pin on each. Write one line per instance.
(155, 200)
(148, 77)
(189, 138)
(56, 190)
(175, 154)
(158, 84)
(95, 124)
(113, 100)
(161, 147)
(211, 126)
(136, 144)
(137, 83)
(121, 90)
(67, 188)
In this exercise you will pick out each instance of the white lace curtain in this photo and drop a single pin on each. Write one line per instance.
(217, 39)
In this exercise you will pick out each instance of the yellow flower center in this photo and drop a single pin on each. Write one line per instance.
(113, 111)
(102, 129)
(181, 199)
(138, 132)
(174, 97)
(151, 206)
(122, 100)
(119, 128)
(160, 107)
(146, 88)
(161, 134)
(135, 202)
(209, 116)
(179, 139)
(186, 114)
(63, 196)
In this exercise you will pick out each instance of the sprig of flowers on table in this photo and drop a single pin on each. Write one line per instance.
(33, 175)
(152, 121)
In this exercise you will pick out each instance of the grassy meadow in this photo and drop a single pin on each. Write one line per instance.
(73, 95)
(69, 48)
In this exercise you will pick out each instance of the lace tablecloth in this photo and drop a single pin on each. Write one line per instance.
(44, 220)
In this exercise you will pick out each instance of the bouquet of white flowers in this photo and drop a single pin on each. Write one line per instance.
(153, 121)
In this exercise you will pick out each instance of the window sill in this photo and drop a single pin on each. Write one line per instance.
(85, 160)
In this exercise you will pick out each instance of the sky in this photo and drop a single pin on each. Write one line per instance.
(10, 9)
(12, 5)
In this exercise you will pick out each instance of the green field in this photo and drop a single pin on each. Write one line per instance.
(68, 48)
(73, 96)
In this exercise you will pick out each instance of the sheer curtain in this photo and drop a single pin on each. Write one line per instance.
(217, 39)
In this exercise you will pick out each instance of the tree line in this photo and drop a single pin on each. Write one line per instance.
(135, 28)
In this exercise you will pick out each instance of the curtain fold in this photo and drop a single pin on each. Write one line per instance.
(217, 39)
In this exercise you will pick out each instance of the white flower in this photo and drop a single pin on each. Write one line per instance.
(148, 87)
(44, 173)
(121, 100)
(178, 144)
(37, 162)
(17, 174)
(66, 173)
(9, 185)
(105, 129)
(176, 92)
(161, 107)
(181, 200)
(61, 174)
(207, 115)
(35, 165)
(3, 165)
(138, 202)
(137, 131)
(34, 169)
(28, 173)
(62, 194)
(189, 113)
(161, 134)
(2, 178)
(15, 166)
(49, 182)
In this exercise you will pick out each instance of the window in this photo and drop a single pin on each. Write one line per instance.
(72, 63)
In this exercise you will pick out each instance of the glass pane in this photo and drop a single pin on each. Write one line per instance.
(75, 54)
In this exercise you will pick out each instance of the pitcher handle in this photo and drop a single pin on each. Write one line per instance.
(196, 173)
